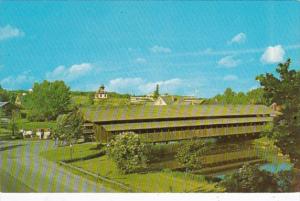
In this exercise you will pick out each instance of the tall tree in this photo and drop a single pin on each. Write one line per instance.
(48, 100)
(128, 152)
(156, 92)
(285, 91)
(4, 96)
(69, 127)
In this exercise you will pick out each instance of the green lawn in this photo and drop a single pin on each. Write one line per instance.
(80, 100)
(5, 134)
(112, 101)
(64, 153)
(29, 125)
(162, 181)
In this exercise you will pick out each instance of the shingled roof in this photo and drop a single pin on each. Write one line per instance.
(143, 112)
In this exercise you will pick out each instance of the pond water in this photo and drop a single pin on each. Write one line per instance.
(270, 167)
(275, 168)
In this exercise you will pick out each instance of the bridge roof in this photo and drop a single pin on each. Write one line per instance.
(182, 123)
(127, 113)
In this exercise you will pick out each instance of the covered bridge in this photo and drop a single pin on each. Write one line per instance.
(176, 122)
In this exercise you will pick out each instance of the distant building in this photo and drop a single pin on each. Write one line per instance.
(177, 100)
(18, 100)
(101, 93)
(141, 99)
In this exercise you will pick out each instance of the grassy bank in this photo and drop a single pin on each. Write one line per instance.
(159, 181)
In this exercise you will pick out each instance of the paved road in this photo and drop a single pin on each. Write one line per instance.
(23, 169)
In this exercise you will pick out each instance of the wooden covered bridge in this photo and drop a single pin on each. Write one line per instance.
(173, 123)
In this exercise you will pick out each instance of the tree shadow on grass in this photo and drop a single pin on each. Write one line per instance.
(10, 147)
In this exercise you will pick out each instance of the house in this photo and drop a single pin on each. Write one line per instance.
(176, 122)
(177, 100)
(18, 100)
(101, 93)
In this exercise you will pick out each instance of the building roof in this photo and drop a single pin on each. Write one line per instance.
(183, 123)
(3, 104)
(169, 99)
(143, 112)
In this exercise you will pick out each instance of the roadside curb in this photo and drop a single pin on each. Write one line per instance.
(122, 186)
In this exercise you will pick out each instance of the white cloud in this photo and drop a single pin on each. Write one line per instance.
(229, 62)
(140, 60)
(69, 74)
(17, 82)
(230, 78)
(140, 86)
(239, 38)
(273, 54)
(160, 49)
(8, 32)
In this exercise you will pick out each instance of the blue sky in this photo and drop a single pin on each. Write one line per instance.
(189, 48)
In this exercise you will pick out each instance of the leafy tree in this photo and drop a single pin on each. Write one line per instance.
(128, 152)
(254, 96)
(13, 123)
(190, 152)
(156, 92)
(285, 91)
(48, 100)
(250, 178)
(69, 126)
(4, 96)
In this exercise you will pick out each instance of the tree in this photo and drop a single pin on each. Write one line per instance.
(190, 152)
(13, 123)
(128, 152)
(48, 100)
(69, 126)
(285, 91)
(250, 178)
(156, 92)
(4, 96)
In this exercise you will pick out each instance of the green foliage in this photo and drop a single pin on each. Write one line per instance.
(4, 96)
(285, 91)
(156, 92)
(112, 102)
(13, 126)
(190, 152)
(250, 178)
(69, 126)
(48, 100)
(284, 180)
(254, 96)
(128, 152)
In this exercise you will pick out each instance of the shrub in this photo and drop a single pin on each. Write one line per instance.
(190, 152)
(128, 152)
(250, 178)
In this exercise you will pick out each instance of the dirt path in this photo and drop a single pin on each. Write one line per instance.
(24, 170)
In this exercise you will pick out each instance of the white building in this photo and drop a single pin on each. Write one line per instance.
(101, 93)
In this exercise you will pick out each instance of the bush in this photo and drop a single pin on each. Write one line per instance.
(250, 178)
(190, 152)
(128, 152)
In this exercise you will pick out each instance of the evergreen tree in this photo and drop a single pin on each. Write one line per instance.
(156, 92)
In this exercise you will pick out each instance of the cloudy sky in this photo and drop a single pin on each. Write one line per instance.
(189, 48)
